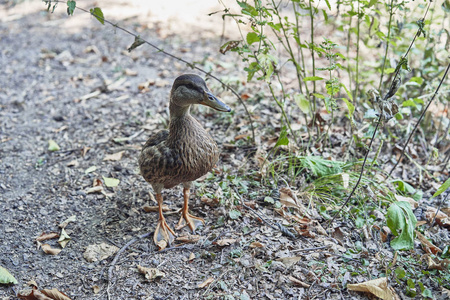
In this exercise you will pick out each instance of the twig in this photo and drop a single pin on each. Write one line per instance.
(438, 209)
(276, 226)
(418, 122)
(191, 65)
(362, 169)
(310, 249)
(125, 247)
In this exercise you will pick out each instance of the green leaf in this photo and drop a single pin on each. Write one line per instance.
(53, 146)
(418, 80)
(389, 70)
(402, 222)
(111, 182)
(321, 167)
(442, 188)
(247, 9)
(282, 140)
(267, 63)
(234, 214)
(98, 14)
(403, 186)
(350, 106)
(252, 37)
(400, 272)
(372, 3)
(71, 7)
(409, 103)
(302, 102)
(312, 78)
(6, 277)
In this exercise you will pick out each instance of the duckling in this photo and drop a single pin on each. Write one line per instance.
(181, 154)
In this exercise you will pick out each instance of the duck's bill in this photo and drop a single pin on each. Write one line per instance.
(214, 102)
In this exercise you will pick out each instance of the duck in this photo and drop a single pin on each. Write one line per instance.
(181, 154)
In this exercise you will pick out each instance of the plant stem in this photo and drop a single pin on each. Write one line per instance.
(387, 43)
(418, 122)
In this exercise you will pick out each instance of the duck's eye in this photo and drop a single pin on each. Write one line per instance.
(190, 86)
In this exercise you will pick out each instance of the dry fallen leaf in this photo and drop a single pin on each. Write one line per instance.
(298, 282)
(67, 221)
(414, 203)
(114, 157)
(49, 250)
(225, 242)
(47, 236)
(290, 261)
(55, 294)
(256, 245)
(154, 208)
(99, 252)
(151, 273)
(427, 246)
(190, 238)
(435, 264)
(378, 287)
(191, 256)
(64, 238)
(206, 283)
(441, 218)
(96, 289)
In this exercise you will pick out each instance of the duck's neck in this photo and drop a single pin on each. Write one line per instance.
(179, 111)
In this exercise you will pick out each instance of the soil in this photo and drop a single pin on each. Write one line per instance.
(71, 80)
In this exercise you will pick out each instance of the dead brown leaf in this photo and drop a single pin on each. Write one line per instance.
(33, 294)
(96, 289)
(211, 202)
(206, 283)
(191, 256)
(49, 250)
(298, 282)
(114, 157)
(290, 261)
(154, 208)
(67, 221)
(435, 264)
(378, 287)
(55, 294)
(441, 218)
(150, 274)
(99, 252)
(47, 236)
(256, 245)
(225, 242)
(427, 246)
(190, 238)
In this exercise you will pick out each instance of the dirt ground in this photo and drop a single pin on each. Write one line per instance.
(71, 80)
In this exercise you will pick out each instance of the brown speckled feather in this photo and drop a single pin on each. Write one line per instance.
(182, 154)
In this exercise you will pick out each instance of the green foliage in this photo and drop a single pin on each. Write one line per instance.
(321, 167)
(402, 223)
(442, 188)
(6, 277)
(98, 14)
(71, 7)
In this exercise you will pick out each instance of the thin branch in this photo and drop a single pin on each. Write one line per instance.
(362, 169)
(418, 122)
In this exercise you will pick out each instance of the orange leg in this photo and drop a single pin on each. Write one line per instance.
(164, 235)
(186, 218)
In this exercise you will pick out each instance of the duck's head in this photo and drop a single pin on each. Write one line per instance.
(191, 89)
